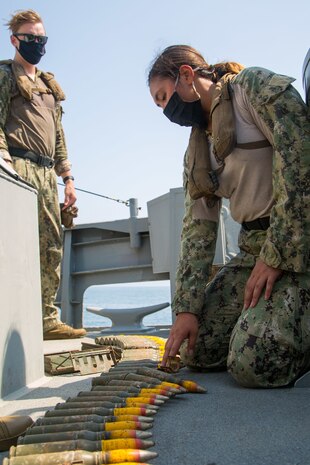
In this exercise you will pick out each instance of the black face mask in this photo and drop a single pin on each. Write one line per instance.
(32, 51)
(185, 113)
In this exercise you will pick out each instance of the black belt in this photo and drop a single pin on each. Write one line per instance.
(259, 223)
(37, 158)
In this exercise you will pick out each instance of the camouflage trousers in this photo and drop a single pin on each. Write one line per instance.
(264, 346)
(50, 234)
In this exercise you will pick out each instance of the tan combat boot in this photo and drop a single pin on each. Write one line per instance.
(63, 331)
(10, 428)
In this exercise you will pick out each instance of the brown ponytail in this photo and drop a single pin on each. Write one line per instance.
(230, 67)
(168, 63)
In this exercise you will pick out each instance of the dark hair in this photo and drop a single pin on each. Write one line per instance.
(168, 63)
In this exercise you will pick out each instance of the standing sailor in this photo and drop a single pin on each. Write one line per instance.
(32, 140)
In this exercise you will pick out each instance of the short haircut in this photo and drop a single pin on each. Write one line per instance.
(22, 17)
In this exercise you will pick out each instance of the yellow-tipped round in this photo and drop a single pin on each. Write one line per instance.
(161, 391)
(191, 386)
(125, 425)
(140, 404)
(174, 386)
(129, 455)
(144, 400)
(140, 418)
(127, 443)
(128, 433)
(133, 411)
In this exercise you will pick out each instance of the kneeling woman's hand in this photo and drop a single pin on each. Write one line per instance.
(262, 277)
(184, 327)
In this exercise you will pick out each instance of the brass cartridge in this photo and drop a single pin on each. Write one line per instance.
(100, 381)
(108, 381)
(114, 402)
(116, 387)
(80, 444)
(130, 376)
(84, 458)
(82, 434)
(91, 418)
(88, 426)
(63, 412)
(103, 396)
(190, 386)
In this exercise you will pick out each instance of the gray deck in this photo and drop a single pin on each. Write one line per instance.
(229, 425)
(234, 426)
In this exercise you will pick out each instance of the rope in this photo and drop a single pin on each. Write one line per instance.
(126, 202)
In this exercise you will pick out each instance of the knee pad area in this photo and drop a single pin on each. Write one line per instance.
(262, 362)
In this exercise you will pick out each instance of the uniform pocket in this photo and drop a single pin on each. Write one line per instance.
(254, 322)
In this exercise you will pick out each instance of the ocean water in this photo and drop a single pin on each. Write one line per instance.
(127, 296)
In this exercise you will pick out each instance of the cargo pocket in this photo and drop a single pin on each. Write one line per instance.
(254, 323)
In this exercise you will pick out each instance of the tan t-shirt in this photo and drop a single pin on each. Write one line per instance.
(34, 124)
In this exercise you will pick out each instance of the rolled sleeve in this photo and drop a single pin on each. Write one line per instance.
(62, 164)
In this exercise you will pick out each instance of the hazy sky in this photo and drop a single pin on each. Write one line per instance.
(119, 142)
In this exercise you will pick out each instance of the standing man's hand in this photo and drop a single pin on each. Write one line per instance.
(262, 276)
(70, 195)
(184, 327)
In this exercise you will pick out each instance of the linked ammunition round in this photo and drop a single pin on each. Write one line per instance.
(108, 381)
(80, 444)
(89, 426)
(84, 457)
(119, 397)
(116, 387)
(63, 412)
(93, 419)
(113, 402)
(156, 391)
(82, 434)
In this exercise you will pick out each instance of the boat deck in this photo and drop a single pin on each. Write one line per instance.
(229, 425)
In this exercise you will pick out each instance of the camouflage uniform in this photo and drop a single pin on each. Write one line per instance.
(269, 345)
(45, 136)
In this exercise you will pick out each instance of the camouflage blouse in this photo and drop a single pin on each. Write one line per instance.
(286, 243)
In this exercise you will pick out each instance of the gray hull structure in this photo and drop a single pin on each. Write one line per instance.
(127, 251)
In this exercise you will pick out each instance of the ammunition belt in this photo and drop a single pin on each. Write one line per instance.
(260, 224)
(38, 158)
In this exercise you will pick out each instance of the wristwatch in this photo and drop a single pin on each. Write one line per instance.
(66, 178)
